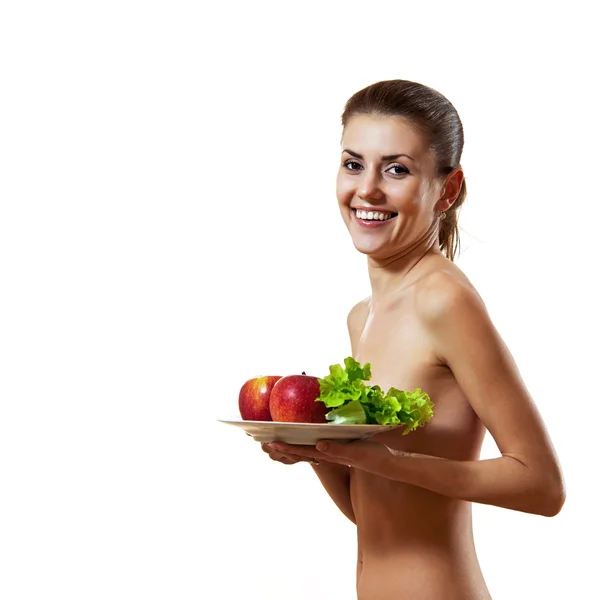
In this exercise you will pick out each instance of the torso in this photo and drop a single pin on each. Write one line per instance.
(414, 544)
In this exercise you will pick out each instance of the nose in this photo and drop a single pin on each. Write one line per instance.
(369, 185)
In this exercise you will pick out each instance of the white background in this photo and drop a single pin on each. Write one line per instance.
(169, 229)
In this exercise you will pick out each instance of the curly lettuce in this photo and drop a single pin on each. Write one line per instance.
(355, 403)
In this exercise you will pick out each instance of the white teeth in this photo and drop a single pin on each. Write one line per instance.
(372, 216)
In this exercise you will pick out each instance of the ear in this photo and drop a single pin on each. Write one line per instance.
(450, 189)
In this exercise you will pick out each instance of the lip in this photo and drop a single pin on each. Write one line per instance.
(369, 224)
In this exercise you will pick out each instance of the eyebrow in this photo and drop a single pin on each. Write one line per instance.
(387, 157)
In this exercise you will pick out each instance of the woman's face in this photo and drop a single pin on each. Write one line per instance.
(386, 185)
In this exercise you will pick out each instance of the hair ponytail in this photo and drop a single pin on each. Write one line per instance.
(449, 238)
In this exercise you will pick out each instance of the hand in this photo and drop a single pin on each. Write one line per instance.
(365, 455)
(286, 453)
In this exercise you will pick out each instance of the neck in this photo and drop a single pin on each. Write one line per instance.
(394, 273)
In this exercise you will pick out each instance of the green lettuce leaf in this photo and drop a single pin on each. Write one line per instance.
(344, 385)
(354, 402)
(351, 413)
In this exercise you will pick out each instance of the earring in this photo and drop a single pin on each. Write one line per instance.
(442, 215)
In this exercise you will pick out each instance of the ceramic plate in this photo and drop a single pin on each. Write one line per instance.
(305, 434)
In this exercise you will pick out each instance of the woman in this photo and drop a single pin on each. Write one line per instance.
(400, 186)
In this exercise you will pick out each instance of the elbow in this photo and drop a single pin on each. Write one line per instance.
(553, 499)
(546, 493)
(556, 502)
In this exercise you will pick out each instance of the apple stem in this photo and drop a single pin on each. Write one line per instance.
(303, 372)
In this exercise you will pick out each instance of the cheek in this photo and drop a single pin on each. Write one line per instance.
(411, 207)
(343, 190)
(408, 200)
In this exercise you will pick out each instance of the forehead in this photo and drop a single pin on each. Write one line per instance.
(378, 135)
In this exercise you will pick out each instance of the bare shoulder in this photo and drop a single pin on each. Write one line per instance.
(358, 314)
(462, 335)
(445, 293)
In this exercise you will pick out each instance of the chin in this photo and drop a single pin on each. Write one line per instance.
(369, 244)
(373, 250)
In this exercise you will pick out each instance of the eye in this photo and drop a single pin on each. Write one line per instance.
(352, 165)
(400, 170)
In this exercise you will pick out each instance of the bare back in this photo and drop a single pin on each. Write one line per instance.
(412, 543)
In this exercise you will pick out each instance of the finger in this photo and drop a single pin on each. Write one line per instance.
(278, 446)
(296, 450)
(300, 453)
(269, 448)
(283, 457)
(266, 447)
(285, 460)
(334, 448)
(276, 456)
(346, 454)
(366, 455)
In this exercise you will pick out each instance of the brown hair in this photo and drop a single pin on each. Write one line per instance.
(434, 116)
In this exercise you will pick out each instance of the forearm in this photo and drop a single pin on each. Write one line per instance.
(503, 481)
(336, 481)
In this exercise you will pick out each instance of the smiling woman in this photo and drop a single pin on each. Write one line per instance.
(399, 187)
(425, 169)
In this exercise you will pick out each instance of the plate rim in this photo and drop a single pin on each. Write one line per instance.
(239, 420)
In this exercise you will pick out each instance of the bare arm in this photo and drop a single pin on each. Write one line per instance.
(336, 481)
(335, 477)
(527, 476)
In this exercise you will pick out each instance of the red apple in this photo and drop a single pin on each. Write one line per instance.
(254, 398)
(293, 400)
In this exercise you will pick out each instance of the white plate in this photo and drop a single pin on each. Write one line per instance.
(305, 434)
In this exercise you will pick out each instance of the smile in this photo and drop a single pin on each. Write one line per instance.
(370, 219)
(376, 215)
